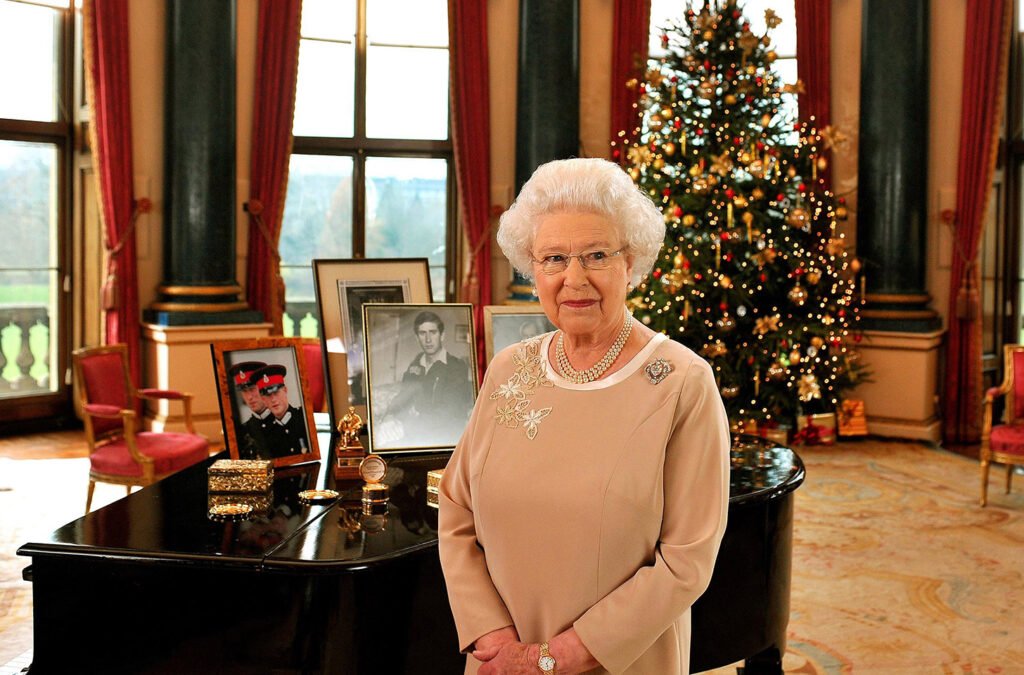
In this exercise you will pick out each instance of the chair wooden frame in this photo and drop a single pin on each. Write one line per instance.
(128, 417)
(987, 455)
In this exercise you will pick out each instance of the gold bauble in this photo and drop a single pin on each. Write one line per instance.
(756, 169)
(658, 163)
(634, 173)
(632, 83)
(770, 56)
(689, 220)
(748, 218)
(700, 185)
(712, 180)
(834, 246)
(757, 193)
(678, 260)
(709, 35)
(730, 99)
(791, 172)
(766, 40)
(766, 119)
(655, 122)
(794, 356)
(842, 213)
(740, 201)
(745, 157)
(813, 278)
(724, 281)
(666, 112)
(706, 89)
(695, 170)
(797, 295)
(817, 342)
(726, 324)
(855, 265)
(750, 69)
(668, 217)
(672, 281)
(822, 164)
(776, 372)
(669, 149)
(797, 218)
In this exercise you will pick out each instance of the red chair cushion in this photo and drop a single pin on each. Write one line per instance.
(1018, 385)
(170, 452)
(103, 381)
(162, 393)
(1008, 439)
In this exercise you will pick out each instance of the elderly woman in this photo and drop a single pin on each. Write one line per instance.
(582, 510)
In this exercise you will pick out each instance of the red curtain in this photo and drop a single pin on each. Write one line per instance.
(277, 65)
(630, 30)
(471, 138)
(814, 59)
(109, 94)
(986, 50)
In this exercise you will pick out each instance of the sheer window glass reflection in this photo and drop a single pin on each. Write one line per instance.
(406, 212)
(29, 37)
(388, 153)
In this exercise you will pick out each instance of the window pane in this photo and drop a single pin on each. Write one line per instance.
(420, 108)
(317, 219)
(329, 19)
(325, 90)
(407, 22)
(28, 267)
(28, 38)
(406, 207)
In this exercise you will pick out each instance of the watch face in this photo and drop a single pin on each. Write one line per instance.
(546, 663)
(373, 468)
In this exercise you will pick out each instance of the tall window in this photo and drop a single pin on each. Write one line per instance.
(371, 172)
(668, 12)
(35, 128)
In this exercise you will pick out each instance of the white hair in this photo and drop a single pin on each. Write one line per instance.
(587, 186)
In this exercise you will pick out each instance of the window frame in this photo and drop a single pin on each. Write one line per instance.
(359, 147)
(20, 411)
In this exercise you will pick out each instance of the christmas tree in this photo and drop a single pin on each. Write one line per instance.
(754, 275)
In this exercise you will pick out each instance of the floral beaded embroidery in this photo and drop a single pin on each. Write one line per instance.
(518, 390)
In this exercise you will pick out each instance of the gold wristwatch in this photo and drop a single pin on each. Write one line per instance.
(546, 662)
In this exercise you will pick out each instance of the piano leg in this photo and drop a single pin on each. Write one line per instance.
(767, 662)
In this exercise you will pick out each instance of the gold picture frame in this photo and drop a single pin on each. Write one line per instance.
(342, 286)
(289, 435)
(421, 374)
(505, 325)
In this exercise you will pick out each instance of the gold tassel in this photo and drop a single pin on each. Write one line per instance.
(110, 293)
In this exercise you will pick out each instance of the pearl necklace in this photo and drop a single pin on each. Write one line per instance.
(599, 368)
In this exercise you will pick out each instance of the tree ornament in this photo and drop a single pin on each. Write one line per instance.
(724, 281)
(855, 265)
(797, 218)
(658, 164)
(667, 112)
(689, 220)
(842, 213)
(770, 56)
(655, 122)
(731, 391)
(726, 324)
(669, 149)
(678, 260)
(776, 372)
(794, 356)
(709, 35)
(821, 163)
(730, 99)
(695, 170)
(672, 281)
(634, 173)
(797, 295)
(813, 277)
(654, 76)
(767, 324)
(701, 185)
(808, 387)
(706, 89)
(715, 349)
(817, 342)
(757, 194)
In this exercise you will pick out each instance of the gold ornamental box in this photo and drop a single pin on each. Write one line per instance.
(241, 475)
(259, 501)
(434, 478)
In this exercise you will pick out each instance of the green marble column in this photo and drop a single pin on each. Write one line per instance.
(892, 191)
(199, 283)
(547, 96)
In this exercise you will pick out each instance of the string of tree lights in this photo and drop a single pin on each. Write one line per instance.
(754, 275)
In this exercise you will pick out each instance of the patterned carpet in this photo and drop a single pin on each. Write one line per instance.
(895, 569)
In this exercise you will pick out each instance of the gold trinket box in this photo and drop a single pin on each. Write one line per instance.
(432, 499)
(241, 475)
(434, 478)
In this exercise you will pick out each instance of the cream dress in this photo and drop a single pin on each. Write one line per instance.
(599, 506)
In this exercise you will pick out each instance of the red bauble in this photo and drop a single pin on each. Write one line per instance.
(841, 312)
(707, 64)
(686, 264)
(676, 123)
(737, 140)
(759, 80)
(642, 88)
(677, 211)
(724, 236)
(699, 131)
(759, 145)
(730, 193)
(698, 276)
(796, 126)
(736, 13)
(779, 197)
(727, 257)
(750, 360)
(750, 99)
(784, 343)
(724, 306)
(656, 273)
(842, 200)
(857, 337)
(666, 192)
(616, 154)
(798, 271)
(802, 187)
(763, 277)
(673, 79)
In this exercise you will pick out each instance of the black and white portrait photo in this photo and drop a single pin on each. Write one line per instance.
(262, 401)
(352, 295)
(421, 369)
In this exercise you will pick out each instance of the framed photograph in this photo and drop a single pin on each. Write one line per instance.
(506, 325)
(342, 288)
(264, 401)
(421, 374)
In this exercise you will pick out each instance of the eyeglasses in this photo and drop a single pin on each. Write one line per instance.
(592, 260)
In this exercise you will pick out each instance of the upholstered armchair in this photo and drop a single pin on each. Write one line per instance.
(119, 452)
(1004, 443)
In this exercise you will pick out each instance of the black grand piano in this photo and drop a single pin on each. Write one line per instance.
(149, 584)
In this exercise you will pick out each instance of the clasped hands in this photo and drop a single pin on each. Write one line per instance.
(502, 653)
